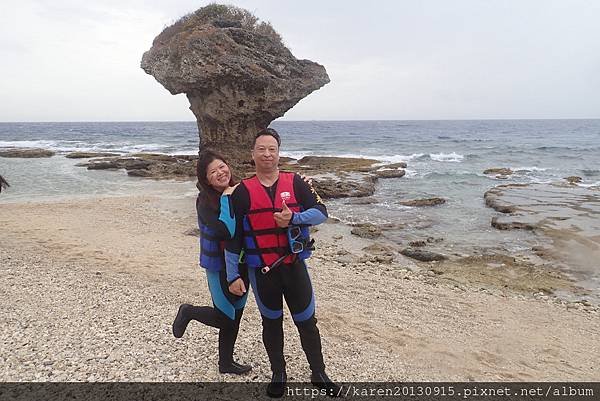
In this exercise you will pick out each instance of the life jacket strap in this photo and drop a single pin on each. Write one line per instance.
(280, 250)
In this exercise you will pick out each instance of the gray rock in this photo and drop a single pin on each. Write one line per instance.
(511, 225)
(499, 170)
(573, 179)
(330, 188)
(88, 155)
(136, 164)
(26, 153)
(139, 173)
(104, 165)
(362, 201)
(366, 230)
(389, 173)
(331, 163)
(422, 255)
(423, 202)
(378, 249)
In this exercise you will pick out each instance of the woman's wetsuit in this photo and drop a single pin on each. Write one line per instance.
(227, 309)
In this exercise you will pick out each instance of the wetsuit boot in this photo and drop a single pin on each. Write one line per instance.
(276, 388)
(311, 344)
(273, 341)
(322, 381)
(187, 313)
(181, 320)
(227, 336)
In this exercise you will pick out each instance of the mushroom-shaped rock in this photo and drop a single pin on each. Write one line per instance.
(236, 72)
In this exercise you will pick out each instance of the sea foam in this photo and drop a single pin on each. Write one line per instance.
(447, 157)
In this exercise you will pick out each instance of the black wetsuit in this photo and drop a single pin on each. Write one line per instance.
(289, 281)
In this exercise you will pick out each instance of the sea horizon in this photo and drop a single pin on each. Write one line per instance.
(310, 120)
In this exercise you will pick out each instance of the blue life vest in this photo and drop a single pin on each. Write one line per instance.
(211, 249)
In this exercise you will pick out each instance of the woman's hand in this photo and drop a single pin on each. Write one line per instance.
(229, 190)
(237, 287)
(306, 179)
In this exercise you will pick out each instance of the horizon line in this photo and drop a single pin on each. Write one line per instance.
(324, 120)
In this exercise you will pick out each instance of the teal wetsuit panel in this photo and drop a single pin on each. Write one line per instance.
(221, 301)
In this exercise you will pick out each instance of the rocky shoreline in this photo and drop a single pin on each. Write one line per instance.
(338, 177)
(333, 177)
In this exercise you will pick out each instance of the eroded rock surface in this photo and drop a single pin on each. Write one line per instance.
(27, 153)
(148, 165)
(88, 155)
(236, 72)
(499, 171)
(366, 230)
(423, 255)
(423, 202)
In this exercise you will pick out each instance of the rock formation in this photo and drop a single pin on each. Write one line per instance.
(423, 202)
(235, 71)
(423, 255)
(27, 153)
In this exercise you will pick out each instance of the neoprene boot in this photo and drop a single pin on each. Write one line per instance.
(276, 388)
(203, 314)
(227, 336)
(311, 343)
(181, 320)
(322, 381)
(273, 341)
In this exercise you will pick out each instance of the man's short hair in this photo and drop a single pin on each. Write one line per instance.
(268, 132)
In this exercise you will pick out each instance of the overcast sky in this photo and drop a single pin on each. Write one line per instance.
(71, 60)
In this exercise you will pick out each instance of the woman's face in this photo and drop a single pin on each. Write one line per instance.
(218, 175)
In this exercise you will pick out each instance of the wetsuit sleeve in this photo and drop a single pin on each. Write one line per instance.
(240, 204)
(314, 210)
(227, 216)
(211, 218)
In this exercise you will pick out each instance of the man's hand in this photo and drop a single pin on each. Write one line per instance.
(229, 190)
(237, 287)
(283, 218)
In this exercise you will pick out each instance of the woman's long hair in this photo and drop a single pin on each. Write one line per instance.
(208, 196)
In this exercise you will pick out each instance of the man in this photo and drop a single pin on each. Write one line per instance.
(273, 208)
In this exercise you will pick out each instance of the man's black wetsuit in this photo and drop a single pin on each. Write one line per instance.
(288, 280)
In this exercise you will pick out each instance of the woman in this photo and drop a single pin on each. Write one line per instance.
(216, 225)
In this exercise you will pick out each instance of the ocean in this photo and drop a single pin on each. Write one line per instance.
(445, 159)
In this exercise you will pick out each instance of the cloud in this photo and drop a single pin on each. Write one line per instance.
(72, 60)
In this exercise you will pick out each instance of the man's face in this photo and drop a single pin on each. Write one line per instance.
(266, 153)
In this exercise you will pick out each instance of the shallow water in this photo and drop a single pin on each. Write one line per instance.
(567, 215)
(445, 159)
